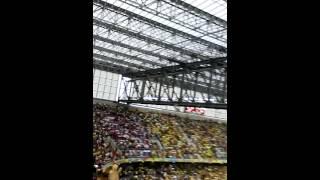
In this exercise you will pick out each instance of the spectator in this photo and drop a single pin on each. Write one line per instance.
(120, 133)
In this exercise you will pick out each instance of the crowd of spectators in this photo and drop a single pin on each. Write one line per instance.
(167, 171)
(120, 133)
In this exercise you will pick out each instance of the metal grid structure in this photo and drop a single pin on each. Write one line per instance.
(169, 52)
(105, 85)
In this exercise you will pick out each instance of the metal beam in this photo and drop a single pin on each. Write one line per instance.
(182, 23)
(171, 69)
(96, 37)
(210, 83)
(212, 63)
(127, 56)
(148, 39)
(118, 61)
(185, 83)
(201, 86)
(196, 10)
(161, 26)
(177, 103)
(105, 66)
(142, 89)
(188, 82)
(136, 49)
(150, 53)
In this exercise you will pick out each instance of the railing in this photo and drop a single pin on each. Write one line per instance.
(168, 160)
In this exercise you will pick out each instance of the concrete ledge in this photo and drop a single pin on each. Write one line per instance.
(163, 111)
(167, 160)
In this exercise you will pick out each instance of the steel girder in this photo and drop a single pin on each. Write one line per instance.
(170, 90)
(127, 56)
(148, 39)
(133, 65)
(106, 66)
(96, 37)
(138, 50)
(178, 69)
(107, 58)
(165, 27)
(176, 103)
(196, 10)
(180, 22)
(172, 70)
(189, 82)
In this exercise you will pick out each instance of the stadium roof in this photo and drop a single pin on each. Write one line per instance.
(148, 34)
(133, 36)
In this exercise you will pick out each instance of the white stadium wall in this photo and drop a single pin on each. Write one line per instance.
(107, 86)
(164, 111)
